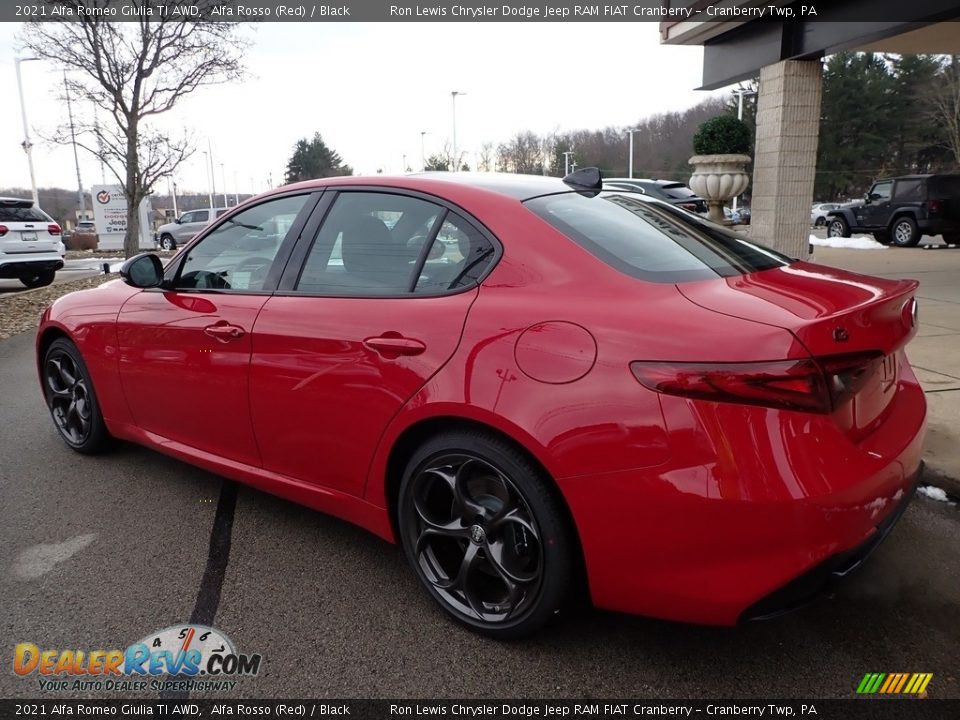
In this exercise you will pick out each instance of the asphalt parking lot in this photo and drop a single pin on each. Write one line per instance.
(98, 552)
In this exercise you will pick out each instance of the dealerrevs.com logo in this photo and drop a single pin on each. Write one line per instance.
(177, 658)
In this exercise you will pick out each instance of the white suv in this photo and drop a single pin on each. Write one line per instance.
(30, 245)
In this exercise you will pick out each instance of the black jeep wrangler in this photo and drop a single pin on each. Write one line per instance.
(903, 209)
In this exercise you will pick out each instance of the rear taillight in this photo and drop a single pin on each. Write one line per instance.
(817, 386)
(53, 229)
(692, 207)
(3, 230)
(934, 206)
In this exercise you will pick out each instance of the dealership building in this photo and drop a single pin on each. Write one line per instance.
(787, 55)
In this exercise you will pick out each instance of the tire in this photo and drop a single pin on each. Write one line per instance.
(820, 221)
(882, 237)
(951, 238)
(167, 242)
(838, 228)
(38, 279)
(904, 232)
(71, 399)
(485, 534)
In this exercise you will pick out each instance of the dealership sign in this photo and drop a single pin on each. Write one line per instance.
(110, 216)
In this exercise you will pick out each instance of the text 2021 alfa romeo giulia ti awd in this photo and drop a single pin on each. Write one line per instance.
(535, 385)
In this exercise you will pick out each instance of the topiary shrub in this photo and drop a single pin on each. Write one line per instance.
(722, 135)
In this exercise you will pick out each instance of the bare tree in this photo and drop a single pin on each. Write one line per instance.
(946, 105)
(135, 71)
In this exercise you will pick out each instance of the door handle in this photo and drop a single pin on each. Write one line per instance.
(224, 332)
(394, 345)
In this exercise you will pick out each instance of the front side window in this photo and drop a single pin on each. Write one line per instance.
(651, 240)
(238, 254)
(881, 191)
(370, 244)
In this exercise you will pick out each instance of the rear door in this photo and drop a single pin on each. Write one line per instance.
(371, 306)
(25, 229)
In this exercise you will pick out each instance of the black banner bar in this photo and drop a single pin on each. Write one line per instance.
(670, 11)
(858, 709)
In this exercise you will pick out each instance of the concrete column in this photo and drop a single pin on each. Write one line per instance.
(785, 155)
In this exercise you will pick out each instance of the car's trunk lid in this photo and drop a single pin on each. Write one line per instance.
(833, 313)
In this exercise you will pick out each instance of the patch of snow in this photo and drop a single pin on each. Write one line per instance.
(934, 493)
(857, 242)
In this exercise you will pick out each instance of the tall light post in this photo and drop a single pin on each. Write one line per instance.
(236, 189)
(630, 132)
(453, 95)
(213, 175)
(566, 162)
(740, 93)
(404, 168)
(76, 159)
(26, 145)
(423, 152)
(223, 176)
(206, 169)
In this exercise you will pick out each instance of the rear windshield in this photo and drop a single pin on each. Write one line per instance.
(652, 240)
(677, 191)
(22, 214)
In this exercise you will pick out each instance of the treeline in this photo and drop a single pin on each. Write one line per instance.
(881, 115)
(886, 115)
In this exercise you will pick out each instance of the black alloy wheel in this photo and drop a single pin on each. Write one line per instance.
(71, 398)
(484, 534)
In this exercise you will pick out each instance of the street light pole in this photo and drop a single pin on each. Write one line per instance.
(456, 160)
(423, 152)
(206, 169)
(740, 93)
(223, 176)
(213, 175)
(27, 145)
(630, 163)
(566, 162)
(73, 140)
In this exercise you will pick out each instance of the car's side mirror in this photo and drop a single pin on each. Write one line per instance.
(142, 271)
(178, 221)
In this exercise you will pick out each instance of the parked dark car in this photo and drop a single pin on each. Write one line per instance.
(901, 210)
(671, 191)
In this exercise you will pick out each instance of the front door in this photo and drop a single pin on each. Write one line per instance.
(378, 308)
(185, 350)
(876, 213)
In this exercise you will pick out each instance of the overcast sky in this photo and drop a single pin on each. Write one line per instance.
(371, 88)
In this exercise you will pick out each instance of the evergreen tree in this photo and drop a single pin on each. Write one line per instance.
(313, 159)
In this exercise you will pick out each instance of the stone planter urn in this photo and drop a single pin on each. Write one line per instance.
(717, 179)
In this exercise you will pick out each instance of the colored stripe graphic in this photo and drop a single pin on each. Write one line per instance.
(894, 683)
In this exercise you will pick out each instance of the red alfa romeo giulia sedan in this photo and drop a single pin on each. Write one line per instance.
(536, 386)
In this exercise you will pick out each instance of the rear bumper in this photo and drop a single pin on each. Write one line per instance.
(815, 582)
(758, 499)
(13, 267)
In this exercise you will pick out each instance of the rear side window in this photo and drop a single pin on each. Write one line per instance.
(651, 240)
(22, 214)
(909, 189)
(677, 191)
